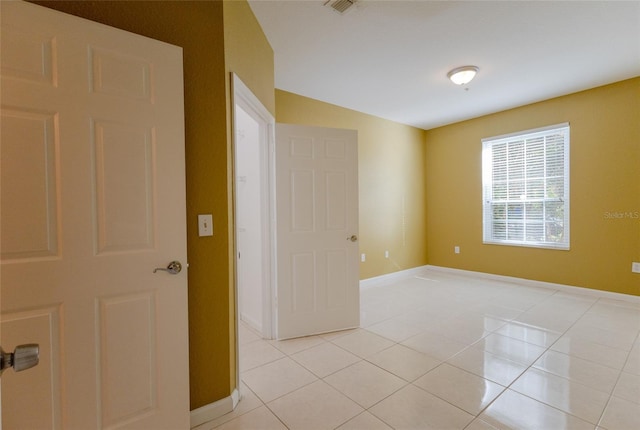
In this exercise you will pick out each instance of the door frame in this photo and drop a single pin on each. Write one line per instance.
(242, 96)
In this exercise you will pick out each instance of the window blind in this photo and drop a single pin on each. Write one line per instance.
(526, 188)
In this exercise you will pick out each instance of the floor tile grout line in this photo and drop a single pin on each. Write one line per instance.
(612, 395)
(459, 352)
(278, 418)
(289, 392)
(412, 383)
(506, 388)
(531, 365)
(361, 359)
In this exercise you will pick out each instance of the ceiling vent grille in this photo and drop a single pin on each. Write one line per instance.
(340, 6)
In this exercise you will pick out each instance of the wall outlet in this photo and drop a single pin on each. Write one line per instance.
(386, 254)
(635, 267)
(363, 257)
(205, 225)
(456, 249)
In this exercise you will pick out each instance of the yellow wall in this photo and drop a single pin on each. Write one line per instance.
(604, 180)
(248, 55)
(202, 29)
(391, 181)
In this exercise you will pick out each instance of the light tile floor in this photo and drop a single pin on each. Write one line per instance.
(444, 351)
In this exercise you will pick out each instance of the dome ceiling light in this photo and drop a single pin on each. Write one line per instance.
(462, 75)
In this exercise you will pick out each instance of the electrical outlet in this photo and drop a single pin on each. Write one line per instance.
(386, 254)
(456, 249)
(635, 267)
(363, 257)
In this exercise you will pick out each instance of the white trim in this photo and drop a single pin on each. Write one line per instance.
(251, 322)
(539, 284)
(389, 278)
(242, 96)
(409, 273)
(273, 229)
(540, 130)
(489, 200)
(215, 410)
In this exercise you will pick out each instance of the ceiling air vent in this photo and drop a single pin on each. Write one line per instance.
(340, 6)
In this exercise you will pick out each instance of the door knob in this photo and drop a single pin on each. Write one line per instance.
(353, 238)
(173, 268)
(22, 358)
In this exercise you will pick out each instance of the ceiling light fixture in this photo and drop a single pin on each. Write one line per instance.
(462, 75)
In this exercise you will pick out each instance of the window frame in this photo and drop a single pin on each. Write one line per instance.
(489, 203)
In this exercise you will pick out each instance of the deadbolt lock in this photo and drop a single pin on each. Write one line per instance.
(22, 358)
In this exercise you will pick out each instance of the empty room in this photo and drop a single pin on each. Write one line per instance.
(312, 214)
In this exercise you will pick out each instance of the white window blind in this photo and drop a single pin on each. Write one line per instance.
(525, 180)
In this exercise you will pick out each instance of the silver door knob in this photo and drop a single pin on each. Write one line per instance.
(22, 358)
(173, 268)
(353, 238)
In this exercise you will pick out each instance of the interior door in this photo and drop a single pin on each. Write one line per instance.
(92, 200)
(317, 228)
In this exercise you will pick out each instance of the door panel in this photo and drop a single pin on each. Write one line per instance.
(122, 75)
(28, 167)
(124, 186)
(303, 186)
(336, 200)
(128, 385)
(29, 55)
(93, 199)
(317, 211)
(41, 326)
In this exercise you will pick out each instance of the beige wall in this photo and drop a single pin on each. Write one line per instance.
(391, 181)
(604, 178)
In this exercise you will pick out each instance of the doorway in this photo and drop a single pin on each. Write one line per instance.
(248, 219)
(253, 128)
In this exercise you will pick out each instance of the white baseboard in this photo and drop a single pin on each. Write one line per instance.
(251, 322)
(390, 277)
(214, 410)
(539, 284)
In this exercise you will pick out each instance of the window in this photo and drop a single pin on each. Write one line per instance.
(525, 181)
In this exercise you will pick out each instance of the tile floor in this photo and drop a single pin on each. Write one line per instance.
(445, 351)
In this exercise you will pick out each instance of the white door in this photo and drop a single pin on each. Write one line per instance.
(317, 228)
(92, 200)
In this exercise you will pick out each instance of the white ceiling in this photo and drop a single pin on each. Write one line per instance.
(391, 58)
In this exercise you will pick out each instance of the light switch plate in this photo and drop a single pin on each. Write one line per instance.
(205, 225)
